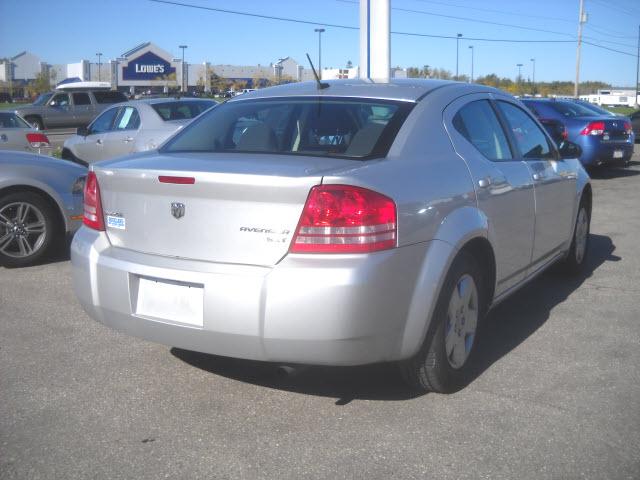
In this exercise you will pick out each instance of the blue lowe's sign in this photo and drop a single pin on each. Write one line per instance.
(147, 67)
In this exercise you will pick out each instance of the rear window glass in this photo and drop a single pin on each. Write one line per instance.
(108, 96)
(181, 110)
(11, 120)
(335, 127)
(570, 109)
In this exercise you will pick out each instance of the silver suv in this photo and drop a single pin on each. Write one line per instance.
(68, 108)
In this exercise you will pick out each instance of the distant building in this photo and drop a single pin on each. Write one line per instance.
(614, 97)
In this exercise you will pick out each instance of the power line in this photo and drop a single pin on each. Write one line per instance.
(603, 31)
(607, 48)
(610, 41)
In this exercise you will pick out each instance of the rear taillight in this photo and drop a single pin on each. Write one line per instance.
(38, 140)
(345, 219)
(627, 128)
(93, 216)
(594, 128)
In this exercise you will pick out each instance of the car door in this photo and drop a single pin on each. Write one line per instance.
(58, 112)
(82, 108)
(554, 182)
(120, 140)
(503, 184)
(91, 148)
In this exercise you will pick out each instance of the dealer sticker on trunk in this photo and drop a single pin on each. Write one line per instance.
(114, 221)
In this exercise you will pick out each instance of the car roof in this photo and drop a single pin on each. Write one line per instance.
(411, 90)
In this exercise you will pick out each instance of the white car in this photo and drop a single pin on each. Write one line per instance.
(17, 134)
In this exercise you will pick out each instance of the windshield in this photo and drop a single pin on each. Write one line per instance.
(571, 109)
(181, 110)
(42, 98)
(334, 127)
(11, 120)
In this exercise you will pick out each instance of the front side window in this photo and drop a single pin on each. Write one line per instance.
(530, 139)
(127, 119)
(104, 122)
(478, 123)
(334, 127)
(60, 100)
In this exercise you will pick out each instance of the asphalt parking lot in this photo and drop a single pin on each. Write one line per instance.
(557, 393)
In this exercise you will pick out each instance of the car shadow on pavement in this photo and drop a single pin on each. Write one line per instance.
(605, 173)
(506, 327)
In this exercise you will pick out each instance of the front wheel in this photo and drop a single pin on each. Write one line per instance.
(579, 250)
(27, 229)
(445, 363)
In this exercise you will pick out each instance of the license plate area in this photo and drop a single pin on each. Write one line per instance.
(168, 300)
(617, 154)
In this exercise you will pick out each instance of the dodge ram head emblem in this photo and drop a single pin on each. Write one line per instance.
(177, 209)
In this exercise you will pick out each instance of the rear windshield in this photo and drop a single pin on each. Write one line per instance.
(11, 120)
(108, 96)
(182, 110)
(333, 127)
(571, 109)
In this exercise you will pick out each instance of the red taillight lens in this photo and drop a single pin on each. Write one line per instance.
(38, 140)
(345, 219)
(93, 216)
(594, 128)
(627, 128)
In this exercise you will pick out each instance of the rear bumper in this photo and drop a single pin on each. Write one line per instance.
(595, 152)
(308, 309)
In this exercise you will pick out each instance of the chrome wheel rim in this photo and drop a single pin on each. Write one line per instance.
(582, 232)
(462, 321)
(22, 230)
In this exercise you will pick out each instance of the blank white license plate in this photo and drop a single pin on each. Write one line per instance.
(168, 300)
(617, 154)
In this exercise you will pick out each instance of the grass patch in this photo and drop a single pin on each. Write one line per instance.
(621, 110)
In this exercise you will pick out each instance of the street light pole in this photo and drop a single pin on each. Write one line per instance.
(182, 67)
(457, 51)
(637, 65)
(471, 47)
(533, 60)
(98, 55)
(319, 30)
(519, 79)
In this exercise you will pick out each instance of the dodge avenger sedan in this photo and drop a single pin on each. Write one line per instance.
(349, 224)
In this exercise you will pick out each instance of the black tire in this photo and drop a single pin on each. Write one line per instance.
(35, 122)
(430, 370)
(574, 262)
(10, 254)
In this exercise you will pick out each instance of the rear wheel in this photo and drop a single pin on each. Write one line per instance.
(445, 363)
(27, 228)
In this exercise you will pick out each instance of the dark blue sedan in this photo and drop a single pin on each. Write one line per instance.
(604, 139)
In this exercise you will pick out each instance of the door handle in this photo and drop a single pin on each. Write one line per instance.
(128, 139)
(538, 176)
(99, 141)
(485, 182)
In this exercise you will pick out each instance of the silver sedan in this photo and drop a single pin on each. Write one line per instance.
(135, 126)
(354, 224)
(40, 202)
(17, 134)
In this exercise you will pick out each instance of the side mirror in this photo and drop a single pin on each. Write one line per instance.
(569, 150)
(82, 131)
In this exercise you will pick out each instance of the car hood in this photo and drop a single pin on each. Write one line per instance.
(8, 158)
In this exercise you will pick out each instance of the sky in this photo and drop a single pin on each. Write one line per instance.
(67, 31)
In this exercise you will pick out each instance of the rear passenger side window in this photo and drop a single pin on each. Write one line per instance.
(81, 99)
(530, 139)
(478, 123)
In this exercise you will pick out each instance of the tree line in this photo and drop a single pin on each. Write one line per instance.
(519, 86)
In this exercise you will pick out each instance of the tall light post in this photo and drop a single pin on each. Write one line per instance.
(182, 67)
(471, 48)
(457, 51)
(533, 61)
(519, 79)
(98, 55)
(637, 65)
(319, 30)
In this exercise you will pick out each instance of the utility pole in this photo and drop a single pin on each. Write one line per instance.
(637, 65)
(581, 21)
(471, 47)
(98, 55)
(319, 30)
(519, 79)
(533, 87)
(182, 67)
(457, 50)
